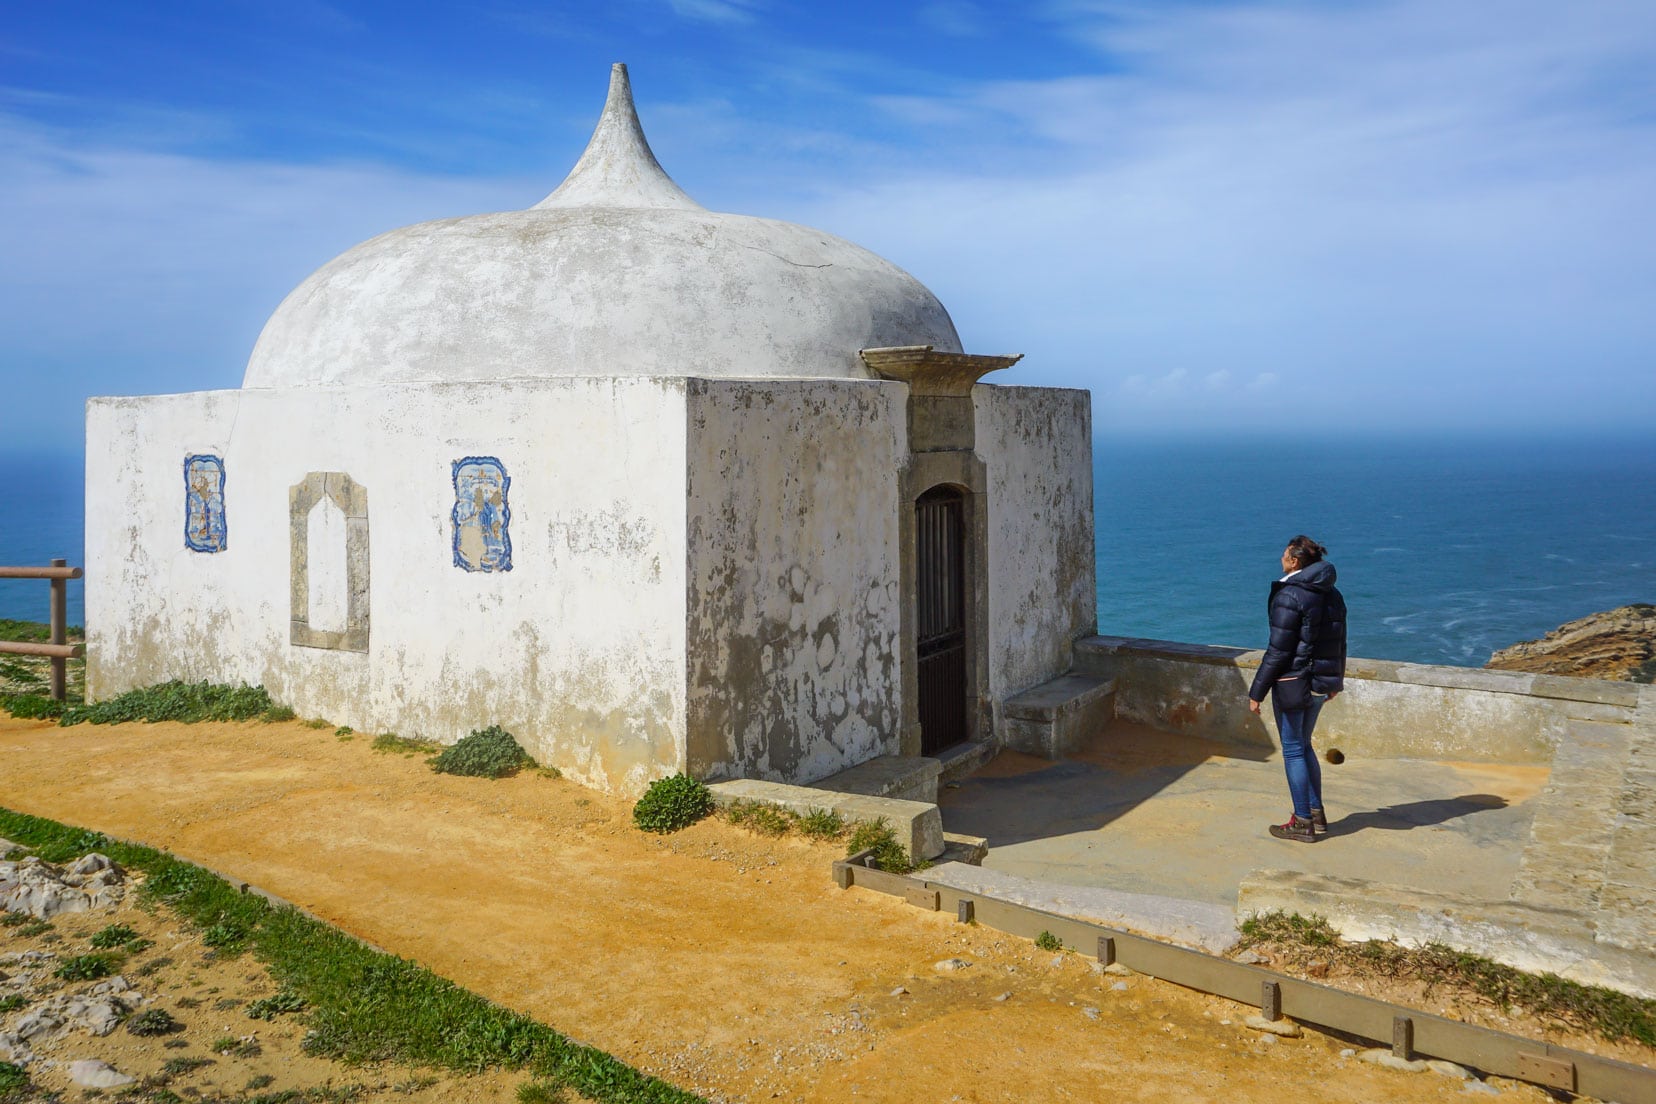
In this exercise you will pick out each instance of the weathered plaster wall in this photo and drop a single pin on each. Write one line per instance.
(577, 650)
(1037, 444)
(793, 613)
(1388, 710)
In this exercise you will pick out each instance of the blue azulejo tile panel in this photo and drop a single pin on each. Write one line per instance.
(482, 517)
(204, 525)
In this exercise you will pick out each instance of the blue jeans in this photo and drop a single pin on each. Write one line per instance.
(1299, 759)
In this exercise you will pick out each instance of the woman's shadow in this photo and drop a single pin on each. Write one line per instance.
(1416, 814)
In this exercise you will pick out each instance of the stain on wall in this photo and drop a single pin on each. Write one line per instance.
(482, 514)
(205, 528)
(793, 614)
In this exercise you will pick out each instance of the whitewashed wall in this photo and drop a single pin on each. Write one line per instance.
(794, 608)
(1037, 446)
(578, 650)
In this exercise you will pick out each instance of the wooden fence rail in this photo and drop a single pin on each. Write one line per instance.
(59, 649)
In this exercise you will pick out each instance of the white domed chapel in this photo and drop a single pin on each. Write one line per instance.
(653, 487)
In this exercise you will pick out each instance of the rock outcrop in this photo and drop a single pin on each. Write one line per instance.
(1617, 644)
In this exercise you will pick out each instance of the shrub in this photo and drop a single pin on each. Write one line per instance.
(487, 753)
(175, 701)
(14, 919)
(278, 713)
(11, 1002)
(877, 836)
(1046, 941)
(822, 824)
(87, 967)
(671, 803)
(153, 1021)
(175, 1067)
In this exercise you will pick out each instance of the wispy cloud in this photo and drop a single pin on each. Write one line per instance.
(716, 11)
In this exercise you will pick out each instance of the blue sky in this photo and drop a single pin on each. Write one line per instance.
(1356, 216)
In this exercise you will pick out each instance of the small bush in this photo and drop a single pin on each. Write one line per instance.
(672, 803)
(116, 935)
(877, 836)
(487, 753)
(318, 722)
(87, 967)
(189, 702)
(153, 1021)
(1046, 941)
(33, 927)
(14, 919)
(278, 713)
(268, 1008)
(175, 1067)
(822, 824)
(756, 816)
(12, 1079)
(11, 1002)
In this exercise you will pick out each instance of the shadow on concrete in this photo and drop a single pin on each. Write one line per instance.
(1019, 798)
(1416, 814)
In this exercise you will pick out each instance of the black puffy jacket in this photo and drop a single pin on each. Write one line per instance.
(1308, 632)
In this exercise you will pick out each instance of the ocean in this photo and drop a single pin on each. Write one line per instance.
(1446, 550)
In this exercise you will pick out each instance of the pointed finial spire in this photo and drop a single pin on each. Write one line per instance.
(618, 169)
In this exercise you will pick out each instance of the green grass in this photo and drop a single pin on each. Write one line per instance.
(878, 836)
(35, 632)
(12, 1080)
(486, 753)
(757, 816)
(115, 935)
(1605, 1012)
(823, 824)
(175, 701)
(88, 967)
(11, 1002)
(363, 1006)
(278, 713)
(268, 1008)
(404, 745)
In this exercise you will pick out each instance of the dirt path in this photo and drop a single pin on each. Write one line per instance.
(718, 960)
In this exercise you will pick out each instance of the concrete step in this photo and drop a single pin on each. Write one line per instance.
(909, 777)
(964, 759)
(1057, 718)
(918, 824)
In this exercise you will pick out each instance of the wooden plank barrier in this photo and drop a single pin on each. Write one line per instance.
(1415, 1032)
(59, 650)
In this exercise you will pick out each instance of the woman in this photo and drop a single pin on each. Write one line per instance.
(1304, 667)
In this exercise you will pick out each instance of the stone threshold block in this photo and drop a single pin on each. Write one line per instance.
(918, 824)
(1527, 937)
(1057, 718)
(908, 777)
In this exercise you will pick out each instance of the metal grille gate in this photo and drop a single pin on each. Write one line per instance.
(940, 622)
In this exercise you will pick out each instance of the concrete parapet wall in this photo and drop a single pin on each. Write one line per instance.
(1526, 937)
(1389, 710)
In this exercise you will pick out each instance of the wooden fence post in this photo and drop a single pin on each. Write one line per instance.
(60, 633)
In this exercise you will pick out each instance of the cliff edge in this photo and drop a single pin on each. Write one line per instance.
(1617, 644)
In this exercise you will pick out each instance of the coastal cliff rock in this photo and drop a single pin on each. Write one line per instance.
(1617, 644)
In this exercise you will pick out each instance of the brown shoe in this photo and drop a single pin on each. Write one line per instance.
(1319, 822)
(1298, 829)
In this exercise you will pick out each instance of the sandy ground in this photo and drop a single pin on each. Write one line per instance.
(721, 961)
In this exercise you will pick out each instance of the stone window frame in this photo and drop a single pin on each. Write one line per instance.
(352, 499)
